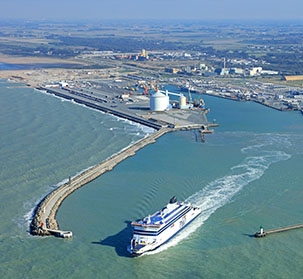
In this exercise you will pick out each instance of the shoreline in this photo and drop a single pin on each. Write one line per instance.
(44, 214)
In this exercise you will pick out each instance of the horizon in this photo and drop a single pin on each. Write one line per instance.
(153, 21)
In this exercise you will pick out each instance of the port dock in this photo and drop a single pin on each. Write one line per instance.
(136, 110)
(263, 233)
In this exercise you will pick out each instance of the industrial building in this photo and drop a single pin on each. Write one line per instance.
(293, 78)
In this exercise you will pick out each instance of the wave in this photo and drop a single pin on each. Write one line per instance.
(220, 191)
(269, 139)
(138, 128)
(30, 206)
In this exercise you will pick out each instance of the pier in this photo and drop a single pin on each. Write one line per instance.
(263, 233)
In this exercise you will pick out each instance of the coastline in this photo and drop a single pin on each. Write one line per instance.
(44, 216)
(99, 232)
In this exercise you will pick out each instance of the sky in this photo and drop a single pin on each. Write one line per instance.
(152, 9)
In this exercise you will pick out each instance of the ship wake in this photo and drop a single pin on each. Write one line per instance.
(221, 191)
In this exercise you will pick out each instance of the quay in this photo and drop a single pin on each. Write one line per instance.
(99, 104)
(137, 109)
(44, 217)
(263, 233)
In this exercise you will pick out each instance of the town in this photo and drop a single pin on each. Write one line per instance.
(139, 58)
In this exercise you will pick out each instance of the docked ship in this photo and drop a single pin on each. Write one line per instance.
(154, 230)
(187, 88)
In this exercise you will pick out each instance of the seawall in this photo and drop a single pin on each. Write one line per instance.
(96, 103)
(44, 217)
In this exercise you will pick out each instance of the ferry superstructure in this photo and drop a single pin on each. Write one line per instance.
(152, 231)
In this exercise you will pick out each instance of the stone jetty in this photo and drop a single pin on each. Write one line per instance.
(263, 233)
(44, 219)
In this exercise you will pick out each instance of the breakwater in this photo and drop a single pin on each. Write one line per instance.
(100, 104)
(263, 233)
(44, 217)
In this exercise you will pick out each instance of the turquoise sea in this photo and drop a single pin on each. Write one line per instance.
(247, 173)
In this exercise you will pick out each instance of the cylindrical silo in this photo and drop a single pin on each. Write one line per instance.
(182, 101)
(159, 101)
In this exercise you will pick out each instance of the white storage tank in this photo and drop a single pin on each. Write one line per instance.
(182, 102)
(159, 101)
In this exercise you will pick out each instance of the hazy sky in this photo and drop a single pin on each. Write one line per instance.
(152, 9)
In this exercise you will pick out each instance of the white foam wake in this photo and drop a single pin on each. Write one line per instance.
(220, 191)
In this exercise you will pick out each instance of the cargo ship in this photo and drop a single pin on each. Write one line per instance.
(187, 88)
(154, 230)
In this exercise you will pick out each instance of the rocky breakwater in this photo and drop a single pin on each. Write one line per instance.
(44, 217)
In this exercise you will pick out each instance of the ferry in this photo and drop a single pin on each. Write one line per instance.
(154, 230)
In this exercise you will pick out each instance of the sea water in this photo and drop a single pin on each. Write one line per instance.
(247, 173)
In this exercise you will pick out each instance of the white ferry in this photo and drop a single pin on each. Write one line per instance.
(156, 229)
